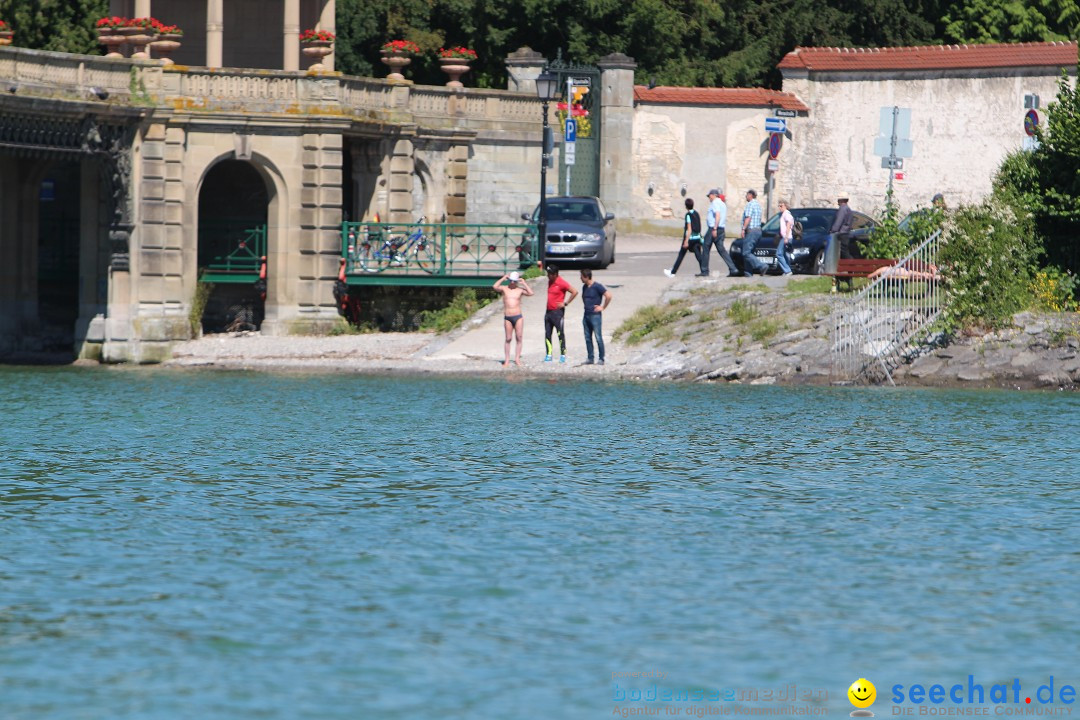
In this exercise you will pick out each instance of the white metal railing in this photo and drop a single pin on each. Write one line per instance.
(875, 329)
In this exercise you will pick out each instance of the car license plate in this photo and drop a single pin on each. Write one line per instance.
(560, 249)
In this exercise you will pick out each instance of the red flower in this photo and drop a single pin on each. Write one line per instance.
(143, 22)
(463, 53)
(112, 22)
(3, 25)
(405, 47)
(317, 35)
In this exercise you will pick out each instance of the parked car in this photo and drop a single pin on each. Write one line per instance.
(580, 231)
(807, 255)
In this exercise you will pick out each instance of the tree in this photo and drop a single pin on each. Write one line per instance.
(61, 25)
(999, 21)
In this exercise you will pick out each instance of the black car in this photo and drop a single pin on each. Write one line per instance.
(807, 255)
(580, 231)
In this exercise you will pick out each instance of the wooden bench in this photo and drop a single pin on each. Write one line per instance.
(860, 268)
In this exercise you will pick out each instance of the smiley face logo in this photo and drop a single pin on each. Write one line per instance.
(862, 694)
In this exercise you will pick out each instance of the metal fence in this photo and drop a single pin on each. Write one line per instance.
(875, 329)
(434, 253)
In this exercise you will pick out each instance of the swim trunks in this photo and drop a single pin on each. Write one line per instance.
(512, 319)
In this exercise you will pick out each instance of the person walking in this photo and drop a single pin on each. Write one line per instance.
(841, 226)
(513, 321)
(557, 300)
(691, 239)
(787, 233)
(715, 222)
(751, 233)
(595, 297)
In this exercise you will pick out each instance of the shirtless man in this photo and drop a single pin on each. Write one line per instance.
(512, 318)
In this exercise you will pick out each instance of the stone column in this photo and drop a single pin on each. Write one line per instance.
(523, 66)
(215, 29)
(142, 8)
(616, 133)
(90, 326)
(327, 22)
(402, 167)
(291, 34)
(457, 171)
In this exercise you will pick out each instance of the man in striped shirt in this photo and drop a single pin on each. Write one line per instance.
(751, 233)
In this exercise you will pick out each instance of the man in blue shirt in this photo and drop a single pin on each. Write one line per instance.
(715, 220)
(596, 298)
(751, 233)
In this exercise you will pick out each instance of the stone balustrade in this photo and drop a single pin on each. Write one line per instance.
(196, 89)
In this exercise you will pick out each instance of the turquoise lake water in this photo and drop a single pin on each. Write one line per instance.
(227, 545)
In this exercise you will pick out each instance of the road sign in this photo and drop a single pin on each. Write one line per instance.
(781, 112)
(774, 144)
(1031, 121)
(772, 165)
(571, 130)
(894, 163)
(586, 81)
(899, 176)
(568, 153)
(775, 125)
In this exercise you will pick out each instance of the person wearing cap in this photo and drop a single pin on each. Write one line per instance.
(513, 321)
(751, 233)
(841, 225)
(557, 300)
(715, 222)
(938, 203)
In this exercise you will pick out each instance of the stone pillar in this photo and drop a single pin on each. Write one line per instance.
(142, 8)
(291, 34)
(327, 22)
(523, 66)
(402, 168)
(457, 171)
(616, 133)
(215, 30)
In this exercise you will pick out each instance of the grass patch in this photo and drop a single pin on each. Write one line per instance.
(809, 286)
(465, 303)
(756, 287)
(652, 320)
(198, 306)
(741, 313)
(706, 317)
(764, 329)
(347, 328)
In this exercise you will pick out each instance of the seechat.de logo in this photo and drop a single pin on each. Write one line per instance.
(862, 695)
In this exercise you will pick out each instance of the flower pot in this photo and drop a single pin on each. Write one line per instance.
(396, 62)
(165, 46)
(6, 36)
(455, 68)
(317, 50)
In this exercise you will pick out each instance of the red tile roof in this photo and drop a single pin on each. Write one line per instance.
(739, 97)
(932, 57)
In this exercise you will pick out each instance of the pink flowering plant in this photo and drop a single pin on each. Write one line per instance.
(317, 36)
(459, 52)
(3, 25)
(111, 23)
(401, 47)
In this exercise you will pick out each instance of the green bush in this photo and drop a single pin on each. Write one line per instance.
(1053, 289)
(466, 302)
(987, 259)
(887, 240)
(651, 320)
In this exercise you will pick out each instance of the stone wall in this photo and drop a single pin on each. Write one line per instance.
(963, 123)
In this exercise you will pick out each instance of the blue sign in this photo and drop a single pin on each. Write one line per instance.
(775, 125)
(571, 130)
(774, 145)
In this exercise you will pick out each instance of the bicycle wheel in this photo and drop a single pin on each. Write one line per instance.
(427, 254)
(368, 258)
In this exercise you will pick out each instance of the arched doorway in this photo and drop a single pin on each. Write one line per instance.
(233, 205)
(58, 256)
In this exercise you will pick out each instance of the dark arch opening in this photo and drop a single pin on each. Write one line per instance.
(58, 256)
(233, 205)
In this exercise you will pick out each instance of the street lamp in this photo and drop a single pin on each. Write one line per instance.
(546, 86)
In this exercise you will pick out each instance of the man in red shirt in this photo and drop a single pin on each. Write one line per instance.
(557, 300)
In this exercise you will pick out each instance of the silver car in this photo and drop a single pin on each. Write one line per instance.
(580, 231)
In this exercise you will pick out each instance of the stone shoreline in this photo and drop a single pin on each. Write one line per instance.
(741, 334)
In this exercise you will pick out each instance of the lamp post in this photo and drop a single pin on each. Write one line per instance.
(546, 85)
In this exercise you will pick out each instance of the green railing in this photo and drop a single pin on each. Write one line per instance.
(434, 253)
(243, 263)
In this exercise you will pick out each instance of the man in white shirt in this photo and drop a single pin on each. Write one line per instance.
(715, 220)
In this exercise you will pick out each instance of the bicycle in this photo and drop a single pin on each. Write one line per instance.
(397, 251)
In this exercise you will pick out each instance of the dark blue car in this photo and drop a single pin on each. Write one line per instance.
(807, 256)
